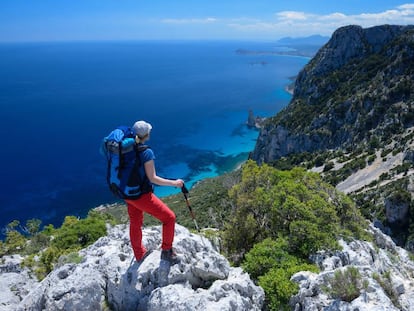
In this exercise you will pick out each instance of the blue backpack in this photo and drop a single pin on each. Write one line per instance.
(124, 162)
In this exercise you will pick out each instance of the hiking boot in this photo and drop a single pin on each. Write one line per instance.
(170, 256)
(146, 254)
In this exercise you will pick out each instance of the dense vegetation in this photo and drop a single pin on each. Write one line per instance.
(45, 248)
(278, 219)
(295, 204)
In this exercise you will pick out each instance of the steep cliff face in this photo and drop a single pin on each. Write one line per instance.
(359, 86)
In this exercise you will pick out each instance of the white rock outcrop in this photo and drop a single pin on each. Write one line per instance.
(15, 282)
(109, 279)
(385, 269)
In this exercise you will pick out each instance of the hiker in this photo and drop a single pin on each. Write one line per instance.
(149, 203)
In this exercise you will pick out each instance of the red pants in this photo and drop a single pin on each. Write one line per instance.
(152, 205)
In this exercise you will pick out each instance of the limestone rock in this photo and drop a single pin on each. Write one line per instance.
(108, 277)
(220, 296)
(15, 282)
(385, 268)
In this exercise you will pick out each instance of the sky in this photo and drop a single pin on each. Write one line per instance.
(259, 20)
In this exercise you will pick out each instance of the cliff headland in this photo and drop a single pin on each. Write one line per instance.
(352, 118)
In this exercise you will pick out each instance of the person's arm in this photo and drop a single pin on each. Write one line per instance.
(152, 176)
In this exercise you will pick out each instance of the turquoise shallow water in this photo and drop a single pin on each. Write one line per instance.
(59, 99)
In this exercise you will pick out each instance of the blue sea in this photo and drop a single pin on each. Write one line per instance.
(58, 100)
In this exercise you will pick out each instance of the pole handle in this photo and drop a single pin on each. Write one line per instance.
(184, 189)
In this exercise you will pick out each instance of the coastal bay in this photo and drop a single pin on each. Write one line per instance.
(61, 99)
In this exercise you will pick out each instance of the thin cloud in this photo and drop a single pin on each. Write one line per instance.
(333, 17)
(207, 20)
(298, 23)
(408, 6)
(292, 15)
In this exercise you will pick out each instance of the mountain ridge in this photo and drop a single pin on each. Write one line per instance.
(353, 109)
(310, 40)
(325, 101)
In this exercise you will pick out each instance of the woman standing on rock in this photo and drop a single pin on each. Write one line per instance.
(149, 202)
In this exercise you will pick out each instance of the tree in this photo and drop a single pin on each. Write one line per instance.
(33, 226)
(14, 241)
(279, 219)
(270, 203)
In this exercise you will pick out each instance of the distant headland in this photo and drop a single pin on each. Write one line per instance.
(306, 47)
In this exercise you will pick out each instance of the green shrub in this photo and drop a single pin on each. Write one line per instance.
(14, 242)
(278, 289)
(319, 160)
(47, 259)
(346, 284)
(328, 166)
(75, 233)
(371, 158)
(36, 243)
(73, 257)
(266, 255)
(269, 203)
(33, 226)
(51, 243)
(374, 143)
(384, 280)
(385, 152)
(272, 265)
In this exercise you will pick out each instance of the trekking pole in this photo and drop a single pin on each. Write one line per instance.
(185, 192)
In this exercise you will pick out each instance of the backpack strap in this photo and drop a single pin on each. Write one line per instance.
(140, 148)
(121, 160)
(145, 185)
